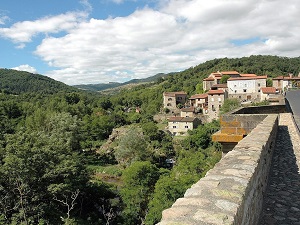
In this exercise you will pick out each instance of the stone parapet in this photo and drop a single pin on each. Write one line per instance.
(231, 192)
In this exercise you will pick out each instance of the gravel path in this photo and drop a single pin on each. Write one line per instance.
(282, 199)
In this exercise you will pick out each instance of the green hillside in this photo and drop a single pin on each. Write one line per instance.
(17, 82)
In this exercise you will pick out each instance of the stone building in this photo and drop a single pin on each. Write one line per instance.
(215, 101)
(200, 102)
(172, 99)
(246, 88)
(181, 125)
(187, 112)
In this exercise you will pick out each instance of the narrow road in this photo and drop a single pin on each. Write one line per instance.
(282, 197)
(294, 99)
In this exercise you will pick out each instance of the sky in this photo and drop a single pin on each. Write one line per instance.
(101, 41)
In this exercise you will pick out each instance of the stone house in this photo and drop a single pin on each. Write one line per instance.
(246, 88)
(282, 83)
(187, 112)
(199, 102)
(172, 99)
(215, 78)
(215, 101)
(268, 93)
(181, 125)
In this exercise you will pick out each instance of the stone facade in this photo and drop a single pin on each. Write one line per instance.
(215, 101)
(246, 88)
(172, 99)
(181, 125)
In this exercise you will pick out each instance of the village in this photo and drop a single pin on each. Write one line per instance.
(187, 113)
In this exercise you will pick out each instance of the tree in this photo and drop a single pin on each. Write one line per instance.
(229, 105)
(132, 147)
(224, 79)
(37, 167)
(269, 82)
(139, 180)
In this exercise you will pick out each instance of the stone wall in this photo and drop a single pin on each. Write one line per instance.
(231, 192)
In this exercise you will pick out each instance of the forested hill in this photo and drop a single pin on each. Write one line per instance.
(272, 66)
(110, 85)
(17, 82)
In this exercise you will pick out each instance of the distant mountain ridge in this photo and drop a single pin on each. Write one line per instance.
(17, 82)
(110, 85)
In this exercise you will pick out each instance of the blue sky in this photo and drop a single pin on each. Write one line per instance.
(100, 41)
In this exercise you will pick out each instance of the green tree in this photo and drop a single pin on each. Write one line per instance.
(224, 79)
(132, 146)
(37, 168)
(269, 82)
(229, 105)
(139, 180)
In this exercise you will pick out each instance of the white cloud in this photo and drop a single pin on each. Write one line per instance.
(3, 19)
(26, 67)
(23, 32)
(176, 35)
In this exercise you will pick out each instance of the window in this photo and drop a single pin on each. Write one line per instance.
(234, 91)
(212, 99)
(174, 126)
(259, 90)
(245, 90)
(213, 108)
(258, 84)
(169, 104)
(169, 99)
(186, 126)
(219, 99)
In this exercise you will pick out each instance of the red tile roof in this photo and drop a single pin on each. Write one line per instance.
(190, 109)
(268, 90)
(181, 119)
(198, 96)
(209, 79)
(215, 92)
(220, 85)
(230, 72)
(248, 75)
(173, 94)
(247, 78)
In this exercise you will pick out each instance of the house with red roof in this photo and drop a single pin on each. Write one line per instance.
(215, 101)
(181, 125)
(282, 83)
(172, 99)
(199, 102)
(246, 88)
(267, 93)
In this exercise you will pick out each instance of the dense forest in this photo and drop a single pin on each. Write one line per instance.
(60, 165)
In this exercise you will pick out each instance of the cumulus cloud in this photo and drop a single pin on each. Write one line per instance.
(175, 35)
(25, 67)
(23, 32)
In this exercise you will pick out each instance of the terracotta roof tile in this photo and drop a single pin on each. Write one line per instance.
(230, 72)
(247, 78)
(173, 94)
(215, 92)
(209, 79)
(268, 90)
(189, 109)
(181, 119)
(248, 75)
(198, 96)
